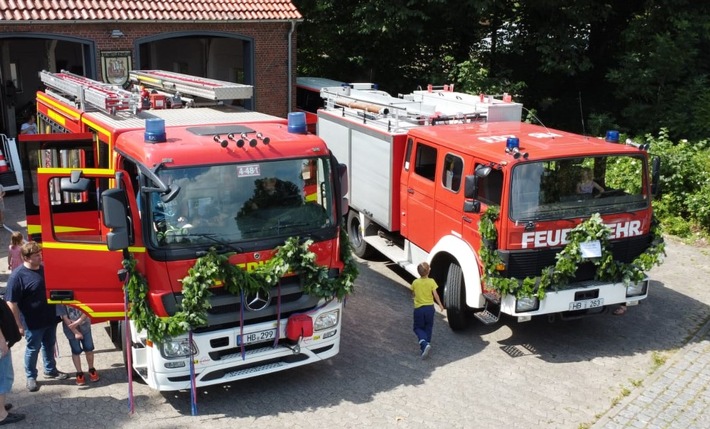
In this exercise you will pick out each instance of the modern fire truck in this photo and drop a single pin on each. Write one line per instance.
(187, 165)
(425, 167)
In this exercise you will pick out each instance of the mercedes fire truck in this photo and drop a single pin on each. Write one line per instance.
(188, 162)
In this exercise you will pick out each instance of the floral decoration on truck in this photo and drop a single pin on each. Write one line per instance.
(568, 259)
(293, 256)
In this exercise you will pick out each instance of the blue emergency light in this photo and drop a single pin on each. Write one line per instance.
(612, 136)
(154, 130)
(512, 143)
(297, 123)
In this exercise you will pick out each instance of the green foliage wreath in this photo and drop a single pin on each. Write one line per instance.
(213, 267)
(568, 260)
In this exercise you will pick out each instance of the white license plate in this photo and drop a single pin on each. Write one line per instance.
(583, 305)
(256, 337)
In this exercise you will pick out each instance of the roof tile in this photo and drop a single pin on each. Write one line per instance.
(17, 11)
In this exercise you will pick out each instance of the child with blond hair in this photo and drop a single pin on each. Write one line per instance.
(424, 292)
(14, 251)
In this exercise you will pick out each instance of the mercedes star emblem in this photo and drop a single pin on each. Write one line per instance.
(257, 301)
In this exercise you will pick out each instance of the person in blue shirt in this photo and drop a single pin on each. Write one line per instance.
(27, 298)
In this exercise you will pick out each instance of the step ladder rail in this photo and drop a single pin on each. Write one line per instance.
(487, 316)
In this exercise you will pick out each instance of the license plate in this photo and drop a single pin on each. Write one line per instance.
(583, 305)
(256, 337)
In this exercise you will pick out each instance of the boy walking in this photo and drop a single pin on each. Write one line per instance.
(77, 328)
(424, 292)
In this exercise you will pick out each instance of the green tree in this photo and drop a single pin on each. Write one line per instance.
(661, 75)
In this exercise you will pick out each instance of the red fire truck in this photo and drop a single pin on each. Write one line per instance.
(425, 167)
(191, 166)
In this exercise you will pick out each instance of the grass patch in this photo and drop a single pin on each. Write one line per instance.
(657, 360)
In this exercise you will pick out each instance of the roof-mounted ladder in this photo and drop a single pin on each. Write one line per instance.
(88, 92)
(209, 89)
(418, 108)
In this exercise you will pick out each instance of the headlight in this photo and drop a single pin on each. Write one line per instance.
(526, 304)
(326, 320)
(637, 289)
(177, 349)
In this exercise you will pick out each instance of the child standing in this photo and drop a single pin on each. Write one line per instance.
(77, 328)
(424, 292)
(14, 251)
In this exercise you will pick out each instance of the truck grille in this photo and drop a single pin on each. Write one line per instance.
(225, 311)
(524, 263)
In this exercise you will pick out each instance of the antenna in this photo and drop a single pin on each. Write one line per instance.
(531, 114)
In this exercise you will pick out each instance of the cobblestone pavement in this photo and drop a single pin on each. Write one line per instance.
(676, 396)
(646, 369)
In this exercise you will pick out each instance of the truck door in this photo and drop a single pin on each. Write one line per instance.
(490, 192)
(449, 195)
(418, 195)
(79, 269)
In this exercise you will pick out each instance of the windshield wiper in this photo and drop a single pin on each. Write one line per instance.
(212, 237)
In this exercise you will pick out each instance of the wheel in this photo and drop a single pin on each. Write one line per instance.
(355, 233)
(115, 334)
(455, 298)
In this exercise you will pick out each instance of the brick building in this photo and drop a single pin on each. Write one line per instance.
(244, 41)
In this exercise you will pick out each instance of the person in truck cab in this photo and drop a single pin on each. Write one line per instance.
(273, 192)
(587, 185)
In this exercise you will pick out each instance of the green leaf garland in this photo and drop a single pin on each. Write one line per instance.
(213, 267)
(568, 259)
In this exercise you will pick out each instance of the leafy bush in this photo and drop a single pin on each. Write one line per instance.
(683, 205)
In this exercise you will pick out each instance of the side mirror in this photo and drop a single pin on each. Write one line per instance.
(470, 186)
(115, 217)
(471, 182)
(345, 207)
(74, 183)
(344, 185)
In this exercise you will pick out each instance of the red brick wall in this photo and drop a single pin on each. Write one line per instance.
(270, 50)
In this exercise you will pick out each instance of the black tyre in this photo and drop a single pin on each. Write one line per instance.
(355, 231)
(455, 298)
(115, 334)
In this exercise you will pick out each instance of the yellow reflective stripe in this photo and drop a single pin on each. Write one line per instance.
(68, 170)
(311, 198)
(56, 117)
(82, 246)
(69, 112)
(34, 229)
(61, 229)
(86, 309)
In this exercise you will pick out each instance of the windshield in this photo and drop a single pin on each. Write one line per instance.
(233, 203)
(578, 187)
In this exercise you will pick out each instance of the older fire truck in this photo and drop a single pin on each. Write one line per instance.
(188, 165)
(425, 167)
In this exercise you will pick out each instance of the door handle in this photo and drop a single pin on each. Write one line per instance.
(61, 295)
(410, 191)
(467, 219)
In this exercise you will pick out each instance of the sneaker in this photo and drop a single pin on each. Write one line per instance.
(80, 379)
(32, 385)
(426, 351)
(93, 375)
(56, 374)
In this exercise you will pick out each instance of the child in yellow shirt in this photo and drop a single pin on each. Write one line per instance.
(424, 292)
